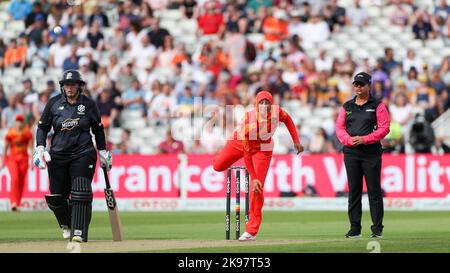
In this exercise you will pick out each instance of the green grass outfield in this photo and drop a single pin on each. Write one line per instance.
(320, 231)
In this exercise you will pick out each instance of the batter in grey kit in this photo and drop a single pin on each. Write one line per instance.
(72, 116)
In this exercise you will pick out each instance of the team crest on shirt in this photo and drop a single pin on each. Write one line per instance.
(81, 108)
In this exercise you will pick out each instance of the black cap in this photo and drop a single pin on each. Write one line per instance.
(362, 77)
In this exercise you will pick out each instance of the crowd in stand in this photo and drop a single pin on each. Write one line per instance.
(131, 62)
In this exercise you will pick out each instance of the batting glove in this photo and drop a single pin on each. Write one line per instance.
(38, 157)
(105, 159)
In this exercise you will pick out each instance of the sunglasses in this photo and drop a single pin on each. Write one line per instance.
(359, 84)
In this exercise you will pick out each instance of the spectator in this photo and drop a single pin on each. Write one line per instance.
(14, 108)
(196, 148)
(95, 37)
(33, 15)
(412, 60)
(51, 89)
(444, 70)
(38, 107)
(411, 81)
(211, 21)
(400, 88)
(440, 87)
(87, 73)
(58, 52)
(331, 97)
(320, 142)
(189, 8)
(166, 56)
(379, 74)
(349, 66)
(71, 36)
(442, 10)
(108, 107)
(315, 30)
(399, 16)
(126, 15)
(279, 87)
(57, 17)
(30, 96)
(401, 110)
(162, 106)
(275, 26)
(101, 79)
(99, 16)
(38, 55)
(323, 62)
(255, 5)
(424, 97)
(36, 29)
(144, 55)
(80, 29)
(84, 48)
(71, 62)
(235, 50)
(19, 9)
(133, 98)
(422, 28)
(134, 37)
(154, 90)
(3, 99)
(186, 101)
(233, 17)
(158, 5)
(357, 15)
(170, 145)
(441, 19)
(126, 77)
(3, 49)
(305, 12)
(15, 55)
(336, 16)
(389, 63)
(125, 144)
(295, 24)
(78, 11)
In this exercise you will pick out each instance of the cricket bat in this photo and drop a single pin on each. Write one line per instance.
(114, 219)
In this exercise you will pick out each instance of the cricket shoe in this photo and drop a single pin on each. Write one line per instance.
(77, 239)
(353, 234)
(247, 237)
(376, 234)
(66, 233)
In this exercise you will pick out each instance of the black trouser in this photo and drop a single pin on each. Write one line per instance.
(73, 177)
(62, 172)
(368, 166)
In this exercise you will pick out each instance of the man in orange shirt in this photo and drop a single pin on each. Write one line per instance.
(15, 54)
(17, 140)
(275, 27)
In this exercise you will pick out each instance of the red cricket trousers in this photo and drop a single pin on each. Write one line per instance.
(257, 163)
(18, 170)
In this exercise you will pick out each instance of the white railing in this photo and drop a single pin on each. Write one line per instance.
(441, 127)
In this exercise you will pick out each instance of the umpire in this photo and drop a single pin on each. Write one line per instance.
(73, 156)
(362, 122)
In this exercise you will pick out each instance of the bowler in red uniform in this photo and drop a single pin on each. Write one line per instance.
(253, 142)
(18, 140)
